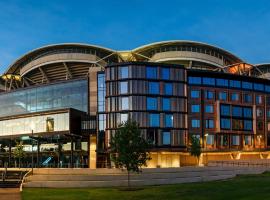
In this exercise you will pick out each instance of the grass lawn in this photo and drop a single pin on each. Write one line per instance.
(242, 187)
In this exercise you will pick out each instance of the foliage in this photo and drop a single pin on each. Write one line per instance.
(195, 148)
(128, 149)
(18, 152)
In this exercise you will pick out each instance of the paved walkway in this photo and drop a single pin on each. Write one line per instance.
(10, 194)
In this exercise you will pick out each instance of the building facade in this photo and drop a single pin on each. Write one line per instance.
(64, 102)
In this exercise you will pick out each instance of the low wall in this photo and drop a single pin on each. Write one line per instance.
(76, 178)
(180, 159)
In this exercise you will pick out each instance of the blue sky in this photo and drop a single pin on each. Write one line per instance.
(239, 26)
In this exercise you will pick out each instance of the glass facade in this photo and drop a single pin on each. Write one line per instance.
(151, 103)
(195, 94)
(151, 72)
(156, 101)
(39, 124)
(195, 108)
(154, 120)
(72, 94)
(153, 88)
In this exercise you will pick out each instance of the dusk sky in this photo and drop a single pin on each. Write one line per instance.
(239, 26)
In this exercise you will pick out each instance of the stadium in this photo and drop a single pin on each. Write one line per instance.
(63, 103)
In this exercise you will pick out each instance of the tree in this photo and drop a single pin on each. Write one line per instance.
(18, 152)
(128, 149)
(195, 148)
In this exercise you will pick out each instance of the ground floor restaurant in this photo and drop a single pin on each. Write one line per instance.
(56, 151)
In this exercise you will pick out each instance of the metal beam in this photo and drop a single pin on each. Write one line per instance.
(44, 75)
(69, 74)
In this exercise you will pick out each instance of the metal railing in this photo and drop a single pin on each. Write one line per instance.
(247, 163)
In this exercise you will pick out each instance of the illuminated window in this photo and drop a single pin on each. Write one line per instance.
(49, 124)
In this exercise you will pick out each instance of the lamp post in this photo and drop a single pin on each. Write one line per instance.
(32, 152)
(205, 145)
(32, 133)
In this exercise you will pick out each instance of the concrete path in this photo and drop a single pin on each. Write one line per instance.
(10, 194)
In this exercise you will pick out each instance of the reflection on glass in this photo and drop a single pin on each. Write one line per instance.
(125, 103)
(46, 123)
(72, 94)
(49, 124)
(166, 138)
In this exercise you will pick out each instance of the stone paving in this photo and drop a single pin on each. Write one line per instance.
(10, 194)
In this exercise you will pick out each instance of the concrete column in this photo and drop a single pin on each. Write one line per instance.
(92, 152)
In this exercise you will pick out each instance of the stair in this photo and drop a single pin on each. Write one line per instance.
(11, 178)
(79, 178)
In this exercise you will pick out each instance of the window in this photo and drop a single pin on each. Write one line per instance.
(50, 124)
(258, 99)
(268, 113)
(209, 94)
(259, 112)
(210, 139)
(259, 125)
(236, 111)
(154, 120)
(124, 103)
(248, 140)
(151, 72)
(237, 124)
(235, 140)
(195, 108)
(209, 123)
(225, 110)
(225, 123)
(247, 98)
(235, 84)
(222, 96)
(247, 112)
(166, 138)
(247, 85)
(194, 80)
(234, 96)
(209, 108)
(223, 140)
(168, 89)
(153, 88)
(195, 94)
(124, 87)
(208, 81)
(258, 87)
(168, 120)
(222, 82)
(165, 73)
(124, 72)
(151, 103)
(195, 123)
(123, 117)
(166, 104)
(247, 125)
(267, 88)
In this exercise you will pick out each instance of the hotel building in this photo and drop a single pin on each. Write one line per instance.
(64, 102)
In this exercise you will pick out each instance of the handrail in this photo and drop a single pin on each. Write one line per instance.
(23, 179)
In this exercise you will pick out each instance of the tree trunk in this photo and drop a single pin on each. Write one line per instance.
(128, 173)
(19, 162)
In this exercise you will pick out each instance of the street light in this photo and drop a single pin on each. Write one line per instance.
(206, 135)
(260, 137)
